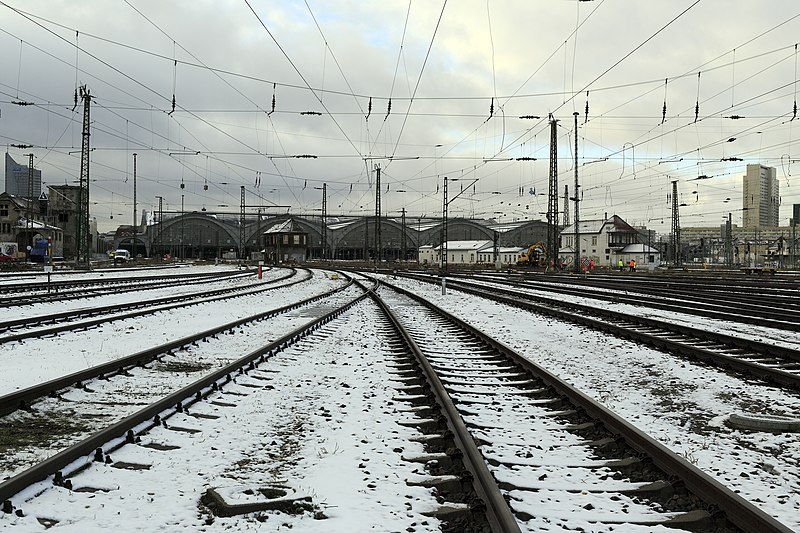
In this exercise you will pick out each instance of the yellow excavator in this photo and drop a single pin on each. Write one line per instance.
(534, 256)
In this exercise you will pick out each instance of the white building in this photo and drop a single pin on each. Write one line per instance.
(507, 256)
(608, 241)
(469, 253)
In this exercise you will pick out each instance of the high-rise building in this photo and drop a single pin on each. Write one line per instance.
(760, 198)
(795, 220)
(17, 179)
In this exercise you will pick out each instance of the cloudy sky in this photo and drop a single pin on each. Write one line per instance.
(424, 89)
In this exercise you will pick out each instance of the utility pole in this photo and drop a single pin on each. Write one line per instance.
(445, 203)
(729, 242)
(29, 214)
(181, 246)
(378, 243)
(324, 221)
(160, 226)
(552, 196)
(82, 238)
(365, 252)
(241, 228)
(403, 237)
(565, 207)
(676, 226)
(443, 246)
(135, 226)
(577, 221)
(496, 250)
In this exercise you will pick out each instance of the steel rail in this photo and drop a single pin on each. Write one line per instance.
(120, 430)
(37, 286)
(22, 398)
(45, 297)
(746, 301)
(765, 319)
(738, 511)
(180, 302)
(498, 512)
(756, 346)
(774, 375)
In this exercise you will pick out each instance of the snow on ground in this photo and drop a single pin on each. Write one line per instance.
(109, 272)
(32, 361)
(322, 420)
(681, 404)
(327, 393)
(125, 296)
(746, 331)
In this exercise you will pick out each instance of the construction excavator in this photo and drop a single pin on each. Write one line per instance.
(535, 256)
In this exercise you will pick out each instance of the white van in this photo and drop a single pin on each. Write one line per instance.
(122, 256)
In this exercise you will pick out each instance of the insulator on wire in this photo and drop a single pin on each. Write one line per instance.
(388, 109)
(491, 109)
(697, 103)
(586, 116)
(274, 86)
(369, 108)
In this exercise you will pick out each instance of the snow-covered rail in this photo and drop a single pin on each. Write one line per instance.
(161, 402)
(46, 324)
(560, 457)
(774, 363)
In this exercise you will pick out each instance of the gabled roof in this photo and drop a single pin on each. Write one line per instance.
(22, 223)
(466, 246)
(287, 226)
(589, 227)
(19, 201)
(639, 249)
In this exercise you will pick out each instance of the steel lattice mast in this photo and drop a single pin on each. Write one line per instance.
(577, 259)
(242, 236)
(324, 220)
(552, 196)
(676, 226)
(82, 253)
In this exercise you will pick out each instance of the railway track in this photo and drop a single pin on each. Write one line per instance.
(61, 467)
(507, 446)
(777, 309)
(55, 323)
(73, 406)
(559, 458)
(26, 398)
(773, 363)
(33, 293)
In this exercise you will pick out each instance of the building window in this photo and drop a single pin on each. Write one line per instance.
(63, 217)
(296, 239)
(3, 210)
(6, 227)
(594, 240)
(285, 239)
